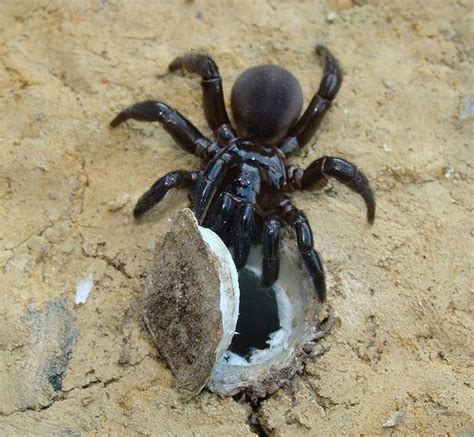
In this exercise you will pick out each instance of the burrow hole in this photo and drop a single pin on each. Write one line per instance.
(258, 315)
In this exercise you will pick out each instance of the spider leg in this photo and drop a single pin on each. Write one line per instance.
(213, 96)
(243, 226)
(232, 219)
(232, 215)
(219, 217)
(208, 184)
(174, 179)
(317, 174)
(304, 237)
(271, 251)
(306, 126)
(181, 129)
(244, 190)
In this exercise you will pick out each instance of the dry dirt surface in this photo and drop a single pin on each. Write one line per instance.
(400, 352)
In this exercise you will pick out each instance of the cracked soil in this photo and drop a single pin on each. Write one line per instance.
(400, 291)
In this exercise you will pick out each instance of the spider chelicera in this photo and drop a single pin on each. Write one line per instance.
(241, 190)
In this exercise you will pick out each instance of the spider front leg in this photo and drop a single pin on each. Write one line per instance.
(213, 96)
(182, 130)
(220, 216)
(305, 128)
(243, 233)
(210, 181)
(317, 174)
(232, 219)
(304, 237)
(174, 179)
(233, 214)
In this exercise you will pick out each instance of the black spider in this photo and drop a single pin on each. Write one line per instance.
(240, 192)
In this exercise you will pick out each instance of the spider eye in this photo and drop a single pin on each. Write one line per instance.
(266, 102)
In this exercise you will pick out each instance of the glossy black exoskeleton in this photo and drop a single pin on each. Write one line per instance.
(241, 191)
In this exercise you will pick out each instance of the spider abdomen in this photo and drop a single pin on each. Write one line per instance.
(266, 101)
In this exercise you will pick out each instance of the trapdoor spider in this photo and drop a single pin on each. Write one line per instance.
(241, 190)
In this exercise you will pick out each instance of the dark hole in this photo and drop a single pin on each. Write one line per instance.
(258, 316)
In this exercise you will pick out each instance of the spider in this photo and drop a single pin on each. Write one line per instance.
(241, 190)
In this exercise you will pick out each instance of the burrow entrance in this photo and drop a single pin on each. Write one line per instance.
(258, 315)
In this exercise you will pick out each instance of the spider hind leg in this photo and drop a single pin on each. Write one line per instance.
(305, 128)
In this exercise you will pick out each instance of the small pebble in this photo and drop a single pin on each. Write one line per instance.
(83, 288)
(394, 420)
(332, 16)
(449, 172)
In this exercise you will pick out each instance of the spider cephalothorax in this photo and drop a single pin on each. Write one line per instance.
(241, 190)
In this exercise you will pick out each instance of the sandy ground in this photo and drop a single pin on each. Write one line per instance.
(400, 290)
